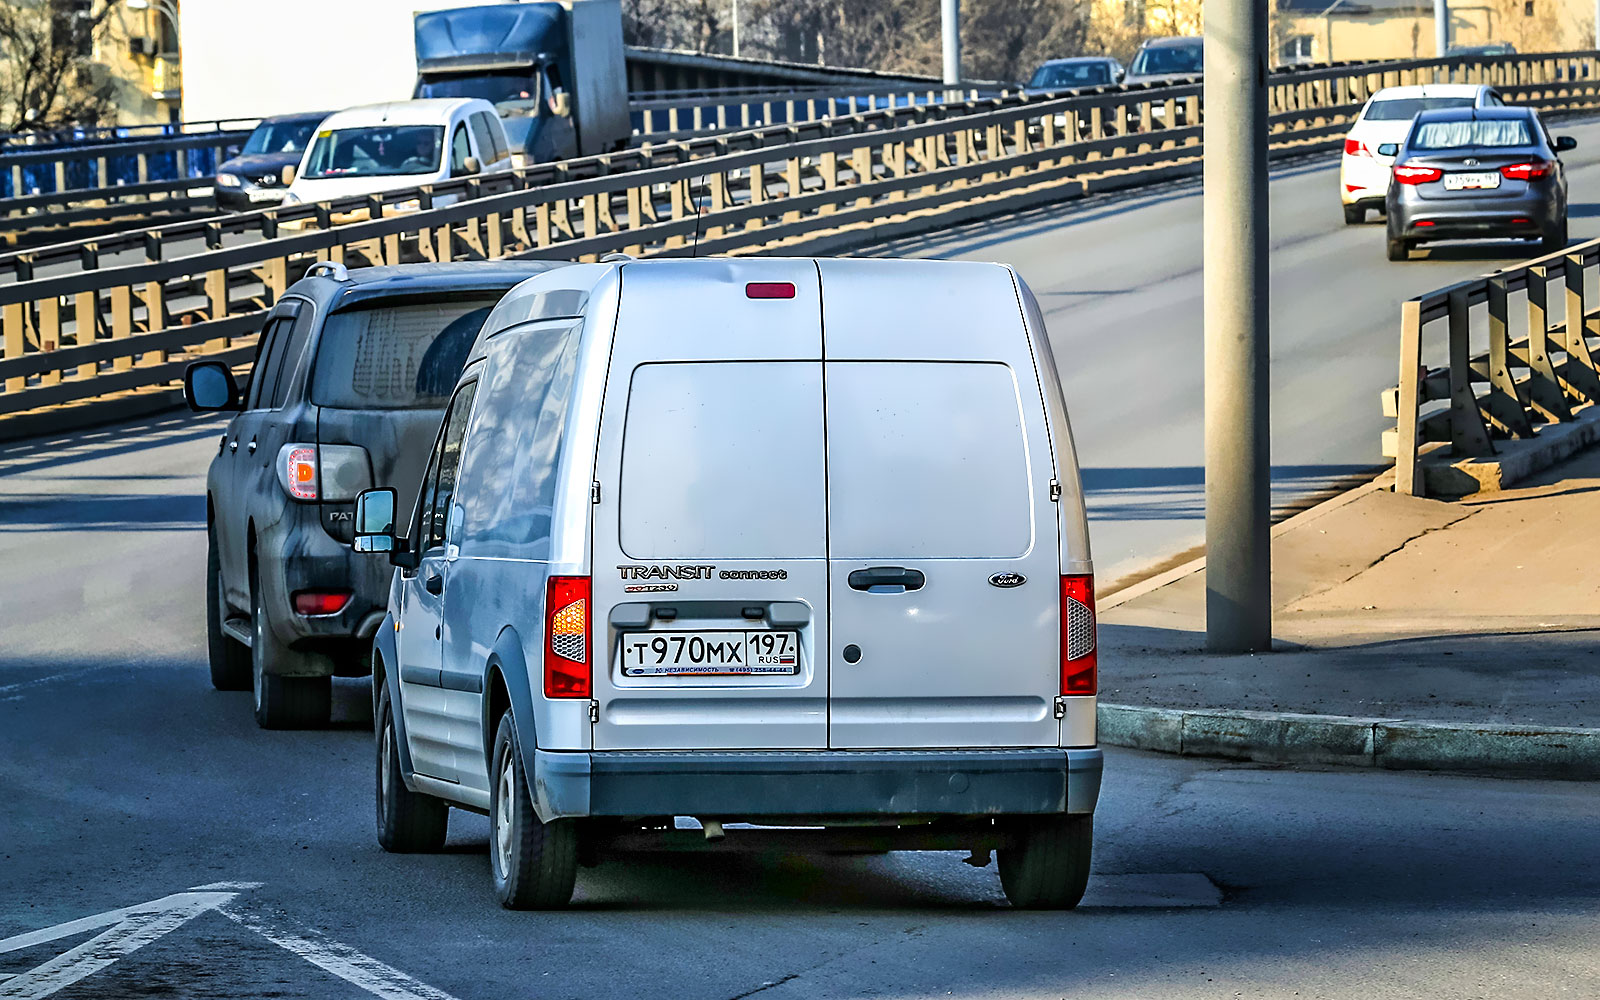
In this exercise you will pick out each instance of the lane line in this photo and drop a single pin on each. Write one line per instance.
(341, 960)
(7, 689)
(137, 927)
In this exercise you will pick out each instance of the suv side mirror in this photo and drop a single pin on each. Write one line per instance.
(1389, 149)
(1565, 142)
(208, 387)
(470, 166)
(374, 521)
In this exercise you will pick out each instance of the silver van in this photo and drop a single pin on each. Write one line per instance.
(768, 554)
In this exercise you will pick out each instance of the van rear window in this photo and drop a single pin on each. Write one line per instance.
(396, 357)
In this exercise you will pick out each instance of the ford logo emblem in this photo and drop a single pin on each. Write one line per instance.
(1007, 580)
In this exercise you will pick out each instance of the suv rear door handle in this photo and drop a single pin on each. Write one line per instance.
(251, 447)
(233, 446)
(434, 584)
(887, 577)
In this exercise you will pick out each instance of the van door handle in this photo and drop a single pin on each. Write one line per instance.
(434, 584)
(886, 577)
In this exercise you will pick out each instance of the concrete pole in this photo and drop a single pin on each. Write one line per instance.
(1238, 505)
(736, 28)
(1597, 24)
(951, 17)
(1441, 27)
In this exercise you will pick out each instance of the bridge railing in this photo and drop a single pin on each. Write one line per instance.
(97, 170)
(1502, 381)
(91, 330)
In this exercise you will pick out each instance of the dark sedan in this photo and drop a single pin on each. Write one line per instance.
(1474, 173)
(254, 178)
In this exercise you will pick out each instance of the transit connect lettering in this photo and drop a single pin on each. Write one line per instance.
(666, 572)
(754, 574)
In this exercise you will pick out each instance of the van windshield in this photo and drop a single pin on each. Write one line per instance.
(396, 357)
(380, 151)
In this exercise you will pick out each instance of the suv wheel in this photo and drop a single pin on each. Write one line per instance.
(1047, 865)
(230, 660)
(535, 864)
(408, 822)
(282, 702)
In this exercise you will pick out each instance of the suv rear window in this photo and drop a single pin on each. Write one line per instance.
(396, 357)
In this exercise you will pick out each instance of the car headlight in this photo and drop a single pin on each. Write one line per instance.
(228, 180)
(290, 198)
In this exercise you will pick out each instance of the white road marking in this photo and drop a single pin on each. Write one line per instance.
(339, 959)
(131, 929)
(7, 691)
(226, 886)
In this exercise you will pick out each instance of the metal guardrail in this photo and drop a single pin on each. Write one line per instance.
(102, 134)
(96, 170)
(1514, 389)
(101, 329)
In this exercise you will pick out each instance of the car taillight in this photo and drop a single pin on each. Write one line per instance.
(566, 650)
(320, 602)
(1079, 658)
(1407, 174)
(1355, 147)
(297, 471)
(335, 473)
(1537, 170)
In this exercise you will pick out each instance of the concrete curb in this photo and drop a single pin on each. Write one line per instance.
(1390, 744)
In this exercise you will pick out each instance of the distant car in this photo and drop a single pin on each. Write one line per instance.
(254, 178)
(1073, 73)
(1165, 60)
(351, 377)
(1474, 173)
(1363, 171)
(1493, 49)
(402, 144)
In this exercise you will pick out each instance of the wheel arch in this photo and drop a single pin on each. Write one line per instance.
(385, 655)
(507, 683)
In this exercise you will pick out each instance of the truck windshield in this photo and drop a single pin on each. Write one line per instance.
(398, 357)
(496, 88)
(1169, 59)
(281, 137)
(378, 151)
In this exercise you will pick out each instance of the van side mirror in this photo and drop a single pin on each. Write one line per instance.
(374, 521)
(1565, 142)
(470, 166)
(208, 387)
(288, 176)
(1388, 149)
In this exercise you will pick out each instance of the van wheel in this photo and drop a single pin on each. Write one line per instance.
(282, 702)
(408, 822)
(535, 864)
(230, 660)
(1354, 215)
(1398, 249)
(1047, 866)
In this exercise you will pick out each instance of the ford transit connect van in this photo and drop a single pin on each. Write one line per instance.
(769, 554)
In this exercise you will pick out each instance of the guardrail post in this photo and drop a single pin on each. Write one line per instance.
(1468, 435)
(1504, 401)
(1407, 449)
(121, 324)
(155, 313)
(11, 320)
(1579, 371)
(217, 306)
(49, 331)
(1544, 388)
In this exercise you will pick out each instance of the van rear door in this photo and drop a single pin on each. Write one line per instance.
(943, 550)
(709, 572)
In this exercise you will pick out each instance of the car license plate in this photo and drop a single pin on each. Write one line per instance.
(718, 654)
(1464, 182)
(266, 196)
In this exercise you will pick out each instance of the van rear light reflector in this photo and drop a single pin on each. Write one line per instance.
(566, 651)
(769, 290)
(1079, 655)
(1424, 224)
(1522, 218)
(312, 603)
(297, 471)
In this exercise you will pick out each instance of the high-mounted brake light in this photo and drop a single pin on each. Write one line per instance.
(320, 602)
(1535, 171)
(1407, 174)
(297, 471)
(1079, 655)
(769, 290)
(566, 650)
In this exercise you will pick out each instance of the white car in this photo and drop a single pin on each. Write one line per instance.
(1386, 118)
(402, 144)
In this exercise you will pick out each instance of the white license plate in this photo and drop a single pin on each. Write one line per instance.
(266, 196)
(720, 654)
(1464, 182)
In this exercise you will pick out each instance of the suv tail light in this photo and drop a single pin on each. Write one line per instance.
(1535, 171)
(1079, 657)
(566, 627)
(1407, 174)
(333, 473)
(312, 603)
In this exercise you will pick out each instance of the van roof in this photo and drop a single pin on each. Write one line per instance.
(430, 111)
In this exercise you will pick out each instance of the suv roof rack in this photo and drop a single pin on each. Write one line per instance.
(330, 268)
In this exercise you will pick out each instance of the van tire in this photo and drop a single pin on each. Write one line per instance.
(408, 822)
(282, 702)
(1047, 865)
(534, 864)
(229, 659)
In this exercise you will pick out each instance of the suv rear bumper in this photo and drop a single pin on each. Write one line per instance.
(756, 784)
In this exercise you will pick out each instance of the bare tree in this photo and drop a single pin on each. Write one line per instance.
(47, 75)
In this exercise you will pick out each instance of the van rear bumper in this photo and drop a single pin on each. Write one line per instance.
(756, 784)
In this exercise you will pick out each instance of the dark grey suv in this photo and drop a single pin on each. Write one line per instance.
(350, 382)
(1474, 173)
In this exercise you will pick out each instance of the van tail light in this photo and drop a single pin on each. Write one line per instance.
(1407, 174)
(1538, 170)
(334, 473)
(1079, 656)
(312, 603)
(566, 650)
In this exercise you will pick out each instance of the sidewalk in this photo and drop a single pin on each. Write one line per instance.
(1408, 633)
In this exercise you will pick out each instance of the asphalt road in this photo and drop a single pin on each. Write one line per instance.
(250, 861)
(1120, 281)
